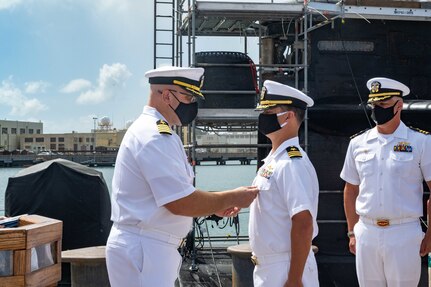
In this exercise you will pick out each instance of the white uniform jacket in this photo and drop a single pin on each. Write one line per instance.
(389, 170)
(288, 185)
(151, 170)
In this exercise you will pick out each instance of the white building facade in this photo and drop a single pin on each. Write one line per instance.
(12, 131)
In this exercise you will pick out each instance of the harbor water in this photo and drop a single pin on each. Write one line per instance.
(209, 177)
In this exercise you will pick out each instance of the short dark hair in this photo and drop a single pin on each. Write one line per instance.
(300, 113)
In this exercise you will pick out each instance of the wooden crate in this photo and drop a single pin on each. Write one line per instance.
(33, 252)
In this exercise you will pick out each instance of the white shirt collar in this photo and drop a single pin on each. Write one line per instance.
(400, 132)
(153, 112)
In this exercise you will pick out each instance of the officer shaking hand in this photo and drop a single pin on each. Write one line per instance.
(153, 197)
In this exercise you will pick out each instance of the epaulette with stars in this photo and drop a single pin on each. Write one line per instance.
(359, 133)
(293, 152)
(420, 131)
(163, 127)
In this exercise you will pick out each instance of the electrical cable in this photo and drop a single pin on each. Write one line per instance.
(212, 255)
(354, 80)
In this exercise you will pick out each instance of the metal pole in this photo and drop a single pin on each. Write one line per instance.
(260, 58)
(245, 42)
(155, 35)
(178, 33)
(94, 140)
(306, 78)
(194, 266)
(297, 29)
(429, 254)
(193, 33)
(173, 33)
(189, 40)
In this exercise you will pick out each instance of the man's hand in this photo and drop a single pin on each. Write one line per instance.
(230, 212)
(426, 244)
(244, 196)
(352, 244)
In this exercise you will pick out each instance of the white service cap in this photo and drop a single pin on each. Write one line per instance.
(190, 79)
(385, 88)
(274, 93)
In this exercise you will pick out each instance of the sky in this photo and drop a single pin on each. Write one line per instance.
(65, 62)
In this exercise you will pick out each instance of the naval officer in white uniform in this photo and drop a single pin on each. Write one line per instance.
(153, 198)
(283, 217)
(384, 170)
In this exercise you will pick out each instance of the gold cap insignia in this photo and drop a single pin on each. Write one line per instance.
(263, 93)
(201, 81)
(375, 87)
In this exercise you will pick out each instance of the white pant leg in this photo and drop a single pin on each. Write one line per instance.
(133, 260)
(271, 275)
(369, 259)
(124, 259)
(388, 257)
(401, 257)
(275, 274)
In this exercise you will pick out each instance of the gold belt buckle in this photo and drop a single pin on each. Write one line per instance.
(254, 260)
(383, 222)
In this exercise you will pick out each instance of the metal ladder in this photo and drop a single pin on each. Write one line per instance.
(164, 32)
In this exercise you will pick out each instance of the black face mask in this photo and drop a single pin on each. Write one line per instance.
(268, 123)
(186, 112)
(383, 115)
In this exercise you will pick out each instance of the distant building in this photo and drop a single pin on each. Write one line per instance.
(12, 131)
(99, 140)
(227, 138)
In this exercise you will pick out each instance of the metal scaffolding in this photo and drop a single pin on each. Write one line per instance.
(196, 18)
(164, 32)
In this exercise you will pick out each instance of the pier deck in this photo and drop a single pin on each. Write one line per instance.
(206, 274)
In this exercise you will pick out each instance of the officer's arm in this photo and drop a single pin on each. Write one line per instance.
(201, 203)
(301, 236)
(351, 192)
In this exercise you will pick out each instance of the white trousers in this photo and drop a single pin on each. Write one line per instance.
(388, 256)
(136, 261)
(275, 274)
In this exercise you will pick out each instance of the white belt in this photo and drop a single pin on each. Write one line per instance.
(150, 233)
(268, 259)
(384, 222)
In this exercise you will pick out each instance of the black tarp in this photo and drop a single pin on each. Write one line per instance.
(67, 191)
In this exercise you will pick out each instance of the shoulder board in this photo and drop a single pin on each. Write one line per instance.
(420, 131)
(163, 127)
(357, 134)
(293, 152)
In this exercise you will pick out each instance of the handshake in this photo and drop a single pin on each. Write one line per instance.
(222, 203)
(240, 197)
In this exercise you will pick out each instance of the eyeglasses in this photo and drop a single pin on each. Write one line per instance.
(192, 98)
